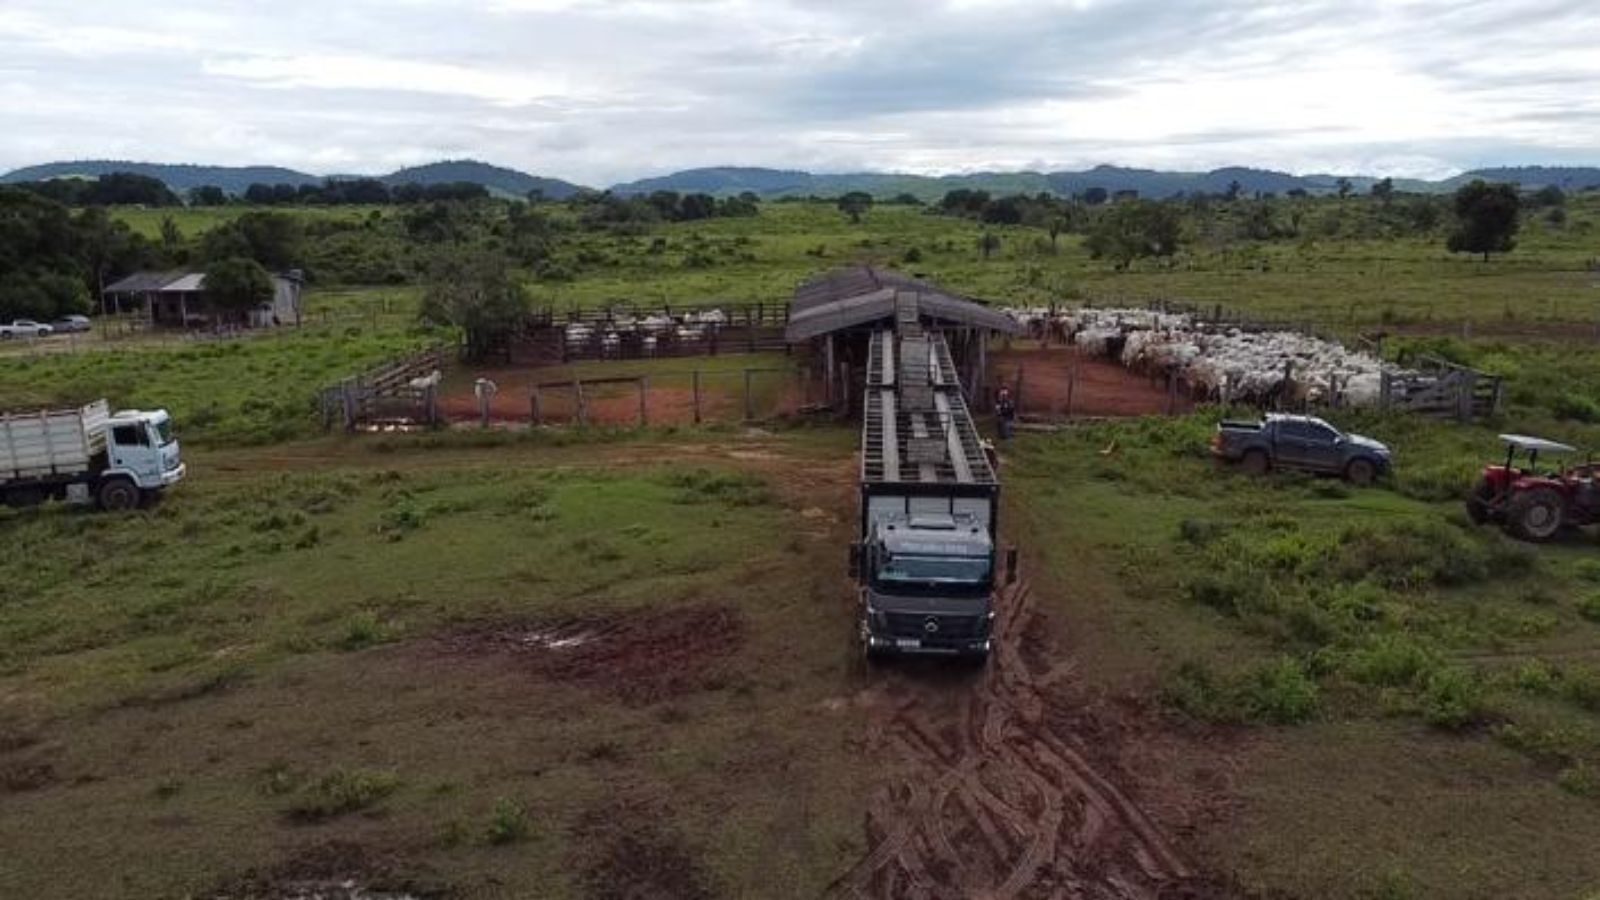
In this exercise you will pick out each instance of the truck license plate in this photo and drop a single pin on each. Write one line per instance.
(908, 643)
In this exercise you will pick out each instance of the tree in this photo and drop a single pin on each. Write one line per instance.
(1129, 231)
(1549, 195)
(275, 240)
(855, 204)
(988, 243)
(207, 195)
(1234, 190)
(1343, 187)
(1384, 191)
(1058, 225)
(472, 289)
(1095, 196)
(1487, 219)
(171, 237)
(237, 284)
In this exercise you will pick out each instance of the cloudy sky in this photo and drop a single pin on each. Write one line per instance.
(604, 90)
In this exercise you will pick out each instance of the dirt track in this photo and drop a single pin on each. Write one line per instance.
(998, 799)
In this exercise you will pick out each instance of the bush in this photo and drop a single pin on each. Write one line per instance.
(1580, 779)
(1414, 554)
(342, 791)
(1576, 407)
(1392, 660)
(1589, 607)
(1452, 698)
(1281, 692)
(509, 824)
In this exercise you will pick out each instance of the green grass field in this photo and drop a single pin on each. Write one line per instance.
(342, 646)
(324, 656)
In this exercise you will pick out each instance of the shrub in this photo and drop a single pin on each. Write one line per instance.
(1392, 660)
(342, 791)
(1580, 779)
(701, 486)
(1409, 554)
(1281, 692)
(362, 630)
(1200, 532)
(1452, 698)
(1576, 407)
(508, 824)
(1192, 689)
(1589, 607)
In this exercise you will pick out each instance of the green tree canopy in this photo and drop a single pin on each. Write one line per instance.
(1486, 217)
(1136, 229)
(472, 289)
(237, 284)
(855, 204)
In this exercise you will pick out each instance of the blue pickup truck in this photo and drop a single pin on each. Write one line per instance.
(1300, 442)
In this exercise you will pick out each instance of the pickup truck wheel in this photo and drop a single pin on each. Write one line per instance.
(1536, 515)
(118, 494)
(1360, 472)
(1255, 462)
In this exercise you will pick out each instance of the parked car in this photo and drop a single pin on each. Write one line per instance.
(67, 324)
(1300, 442)
(25, 328)
(1534, 505)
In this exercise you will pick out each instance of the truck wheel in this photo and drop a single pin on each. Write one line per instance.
(1255, 462)
(1478, 501)
(118, 494)
(1360, 472)
(1536, 515)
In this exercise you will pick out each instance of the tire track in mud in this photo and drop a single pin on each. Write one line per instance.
(1004, 802)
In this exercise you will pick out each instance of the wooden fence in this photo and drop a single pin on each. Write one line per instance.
(1440, 388)
(574, 401)
(387, 394)
(628, 331)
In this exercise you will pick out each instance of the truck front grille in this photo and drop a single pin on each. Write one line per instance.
(916, 625)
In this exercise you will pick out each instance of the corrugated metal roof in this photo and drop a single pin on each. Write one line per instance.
(143, 282)
(191, 283)
(852, 297)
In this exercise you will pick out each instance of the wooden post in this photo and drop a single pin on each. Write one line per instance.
(828, 356)
(749, 410)
(1383, 389)
(1072, 383)
(583, 407)
(1288, 382)
(696, 381)
(644, 390)
(1467, 385)
(538, 407)
(430, 404)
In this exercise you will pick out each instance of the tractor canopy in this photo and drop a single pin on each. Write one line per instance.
(1535, 445)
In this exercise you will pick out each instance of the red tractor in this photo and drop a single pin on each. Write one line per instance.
(1531, 505)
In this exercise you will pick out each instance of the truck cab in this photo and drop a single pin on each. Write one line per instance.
(140, 446)
(926, 585)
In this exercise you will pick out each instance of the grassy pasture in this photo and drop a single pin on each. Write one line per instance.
(1393, 665)
(268, 668)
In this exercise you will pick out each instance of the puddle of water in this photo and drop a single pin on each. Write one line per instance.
(555, 640)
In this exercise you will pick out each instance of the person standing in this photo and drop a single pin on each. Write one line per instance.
(1005, 410)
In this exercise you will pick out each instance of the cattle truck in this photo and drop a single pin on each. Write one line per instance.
(925, 562)
(116, 460)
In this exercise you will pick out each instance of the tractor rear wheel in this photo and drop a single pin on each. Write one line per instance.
(1536, 515)
(1479, 501)
(1256, 463)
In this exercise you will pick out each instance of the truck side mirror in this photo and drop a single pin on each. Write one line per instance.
(1011, 565)
(855, 560)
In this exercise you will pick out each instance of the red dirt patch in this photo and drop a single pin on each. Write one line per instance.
(721, 399)
(639, 657)
(1098, 387)
(626, 856)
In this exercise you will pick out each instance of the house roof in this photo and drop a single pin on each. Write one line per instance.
(143, 282)
(852, 297)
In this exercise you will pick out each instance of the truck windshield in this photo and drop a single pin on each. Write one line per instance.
(163, 431)
(910, 569)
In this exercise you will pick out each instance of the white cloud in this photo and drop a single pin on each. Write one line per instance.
(598, 91)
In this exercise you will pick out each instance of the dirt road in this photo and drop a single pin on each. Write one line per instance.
(993, 795)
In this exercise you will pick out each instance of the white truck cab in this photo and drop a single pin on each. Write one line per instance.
(140, 445)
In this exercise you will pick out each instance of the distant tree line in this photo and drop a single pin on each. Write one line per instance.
(52, 259)
(347, 192)
(630, 213)
(111, 189)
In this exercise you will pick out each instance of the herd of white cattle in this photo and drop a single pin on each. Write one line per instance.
(651, 331)
(1220, 362)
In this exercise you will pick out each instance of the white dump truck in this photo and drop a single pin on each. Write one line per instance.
(116, 460)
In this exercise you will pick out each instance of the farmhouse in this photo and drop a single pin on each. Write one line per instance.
(178, 300)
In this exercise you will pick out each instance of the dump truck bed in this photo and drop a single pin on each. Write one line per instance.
(49, 443)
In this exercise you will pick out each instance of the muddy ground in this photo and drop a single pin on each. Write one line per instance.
(1059, 382)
